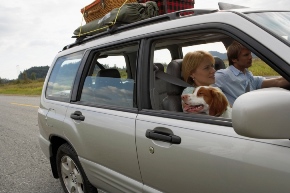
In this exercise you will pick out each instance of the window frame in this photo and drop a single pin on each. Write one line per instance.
(91, 53)
(257, 48)
(52, 75)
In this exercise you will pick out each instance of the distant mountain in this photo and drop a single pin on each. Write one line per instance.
(34, 72)
(222, 56)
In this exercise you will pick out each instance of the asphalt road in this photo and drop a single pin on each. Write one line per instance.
(23, 166)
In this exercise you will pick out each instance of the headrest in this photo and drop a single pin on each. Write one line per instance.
(159, 66)
(174, 69)
(112, 72)
(219, 63)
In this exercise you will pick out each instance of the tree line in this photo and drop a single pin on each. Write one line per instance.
(33, 73)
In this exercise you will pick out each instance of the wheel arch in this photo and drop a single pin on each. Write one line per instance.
(56, 142)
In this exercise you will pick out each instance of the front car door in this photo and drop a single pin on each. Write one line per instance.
(206, 155)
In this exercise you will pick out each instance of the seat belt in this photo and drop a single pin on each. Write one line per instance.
(247, 88)
(171, 79)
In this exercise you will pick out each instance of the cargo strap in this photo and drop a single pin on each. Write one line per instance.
(105, 27)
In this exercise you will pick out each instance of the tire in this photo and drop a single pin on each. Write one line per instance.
(71, 174)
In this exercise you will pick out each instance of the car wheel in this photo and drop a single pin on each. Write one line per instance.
(71, 173)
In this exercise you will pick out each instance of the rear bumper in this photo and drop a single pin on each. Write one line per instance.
(45, 146)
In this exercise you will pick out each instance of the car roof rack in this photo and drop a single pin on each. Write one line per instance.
(122, 27)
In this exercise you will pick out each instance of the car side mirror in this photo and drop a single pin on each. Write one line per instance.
(264, 114)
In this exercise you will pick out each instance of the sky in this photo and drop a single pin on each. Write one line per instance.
(32, 32)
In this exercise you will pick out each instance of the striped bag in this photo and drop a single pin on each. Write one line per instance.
(168, 6)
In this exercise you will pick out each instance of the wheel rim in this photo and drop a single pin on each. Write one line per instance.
(71, 176)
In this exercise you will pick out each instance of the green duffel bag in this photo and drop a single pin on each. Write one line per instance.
(128, 13)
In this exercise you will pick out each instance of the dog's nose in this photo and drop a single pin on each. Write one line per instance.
(184, 97)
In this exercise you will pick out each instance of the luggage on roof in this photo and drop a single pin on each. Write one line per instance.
(168, 6)
(128, 13)
(99, 8)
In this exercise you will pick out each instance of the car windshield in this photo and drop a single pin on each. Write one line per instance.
(277, 22)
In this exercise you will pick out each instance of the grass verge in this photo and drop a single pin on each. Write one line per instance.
(22, 88)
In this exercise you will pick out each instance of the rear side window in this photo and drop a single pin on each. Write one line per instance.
(162, 56)
(111, 78)
(61, 79)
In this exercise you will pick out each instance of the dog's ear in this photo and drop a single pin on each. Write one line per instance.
(218, 104)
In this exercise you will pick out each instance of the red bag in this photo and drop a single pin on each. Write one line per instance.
(168, 6)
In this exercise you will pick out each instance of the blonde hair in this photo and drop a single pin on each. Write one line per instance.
(191, 62)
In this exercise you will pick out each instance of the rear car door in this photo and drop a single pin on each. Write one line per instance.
(100, 124)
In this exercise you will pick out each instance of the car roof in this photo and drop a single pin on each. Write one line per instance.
(242, 9)
(145, 22)
(254, 10)
(163, 18)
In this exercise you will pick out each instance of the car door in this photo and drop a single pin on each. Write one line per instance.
(209, 158)
(182, 152)
(101, 123)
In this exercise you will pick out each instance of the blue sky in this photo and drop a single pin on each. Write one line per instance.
(32, 32)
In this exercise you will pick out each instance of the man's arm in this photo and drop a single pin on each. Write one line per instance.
(275, 82)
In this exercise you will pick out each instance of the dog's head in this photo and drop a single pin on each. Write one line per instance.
(205, 99)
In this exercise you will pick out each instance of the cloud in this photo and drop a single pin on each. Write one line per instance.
(32, 32)
(41, 43)
(8, 24)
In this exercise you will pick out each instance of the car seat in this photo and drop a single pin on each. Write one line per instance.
(219, 63)
(108, 77)
(111, 72)
(159, 91)
(173, 100)
(111, 90)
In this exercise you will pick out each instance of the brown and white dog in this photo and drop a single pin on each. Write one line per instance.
(206, 99)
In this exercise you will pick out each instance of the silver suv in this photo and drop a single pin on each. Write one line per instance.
(110, 121)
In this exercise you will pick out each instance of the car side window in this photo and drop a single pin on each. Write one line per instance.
(162, 56)
(166, 94)
(109, 80)
(60, 82)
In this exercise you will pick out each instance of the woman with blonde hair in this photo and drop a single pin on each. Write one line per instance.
(198, 68)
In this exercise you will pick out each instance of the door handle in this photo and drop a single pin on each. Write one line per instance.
(162, 136)
(77, 115)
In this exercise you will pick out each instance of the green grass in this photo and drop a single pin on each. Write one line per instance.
(34, 87)
(260, 68)
(22, 88)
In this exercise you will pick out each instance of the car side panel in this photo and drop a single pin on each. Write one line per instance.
(109, 180)
(210, 158)
(51, 115)
(105, 142)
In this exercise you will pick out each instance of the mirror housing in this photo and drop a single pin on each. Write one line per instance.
(263, 113)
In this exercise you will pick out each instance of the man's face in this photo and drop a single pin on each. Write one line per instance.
(244, 60)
